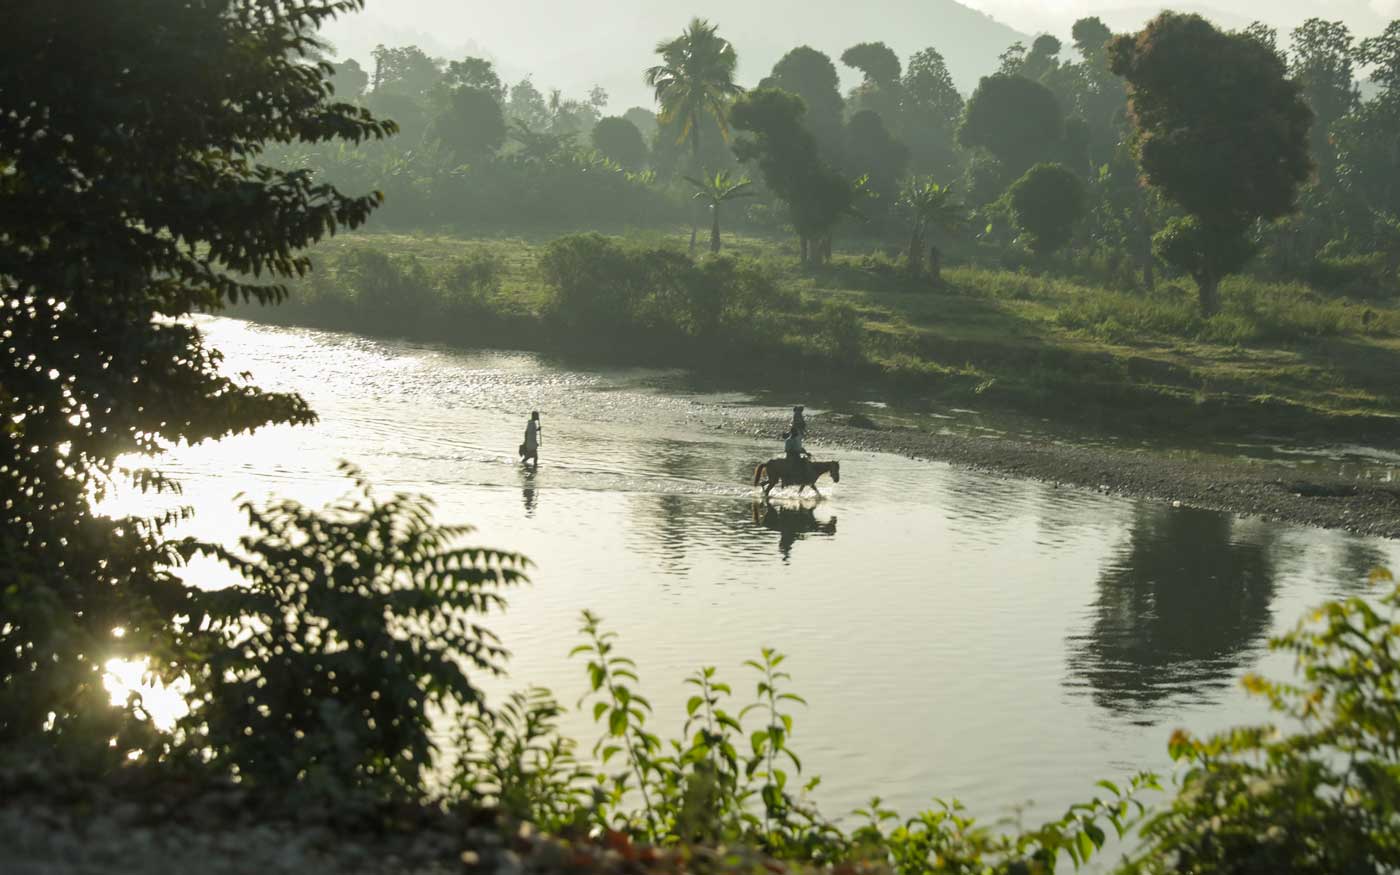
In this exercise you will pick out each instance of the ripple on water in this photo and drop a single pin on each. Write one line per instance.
(956, 634)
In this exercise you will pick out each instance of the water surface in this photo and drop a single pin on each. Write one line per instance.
(956, 634)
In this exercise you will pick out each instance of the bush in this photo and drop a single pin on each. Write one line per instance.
(390, 294)
(320, 671)
(604, 284)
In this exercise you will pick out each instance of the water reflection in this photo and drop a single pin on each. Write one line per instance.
(792, 523)
(1178, 612)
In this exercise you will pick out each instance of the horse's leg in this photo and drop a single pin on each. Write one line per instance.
(817, 491)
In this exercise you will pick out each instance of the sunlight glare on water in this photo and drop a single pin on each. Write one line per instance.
(956, 634)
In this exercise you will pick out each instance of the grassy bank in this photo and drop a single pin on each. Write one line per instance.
(1279, 357)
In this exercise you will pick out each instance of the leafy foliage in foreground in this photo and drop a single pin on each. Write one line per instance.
(353, 626)
(1325, 798)
(134, 194)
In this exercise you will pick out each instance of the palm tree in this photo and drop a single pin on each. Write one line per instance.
(931, 207)
(715, 190)
(695, 79)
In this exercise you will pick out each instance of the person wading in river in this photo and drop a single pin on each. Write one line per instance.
(530, 450)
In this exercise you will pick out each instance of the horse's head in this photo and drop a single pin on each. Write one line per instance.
(835, 472)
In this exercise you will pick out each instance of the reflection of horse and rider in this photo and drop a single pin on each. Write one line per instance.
(796, 468)
(791, 523)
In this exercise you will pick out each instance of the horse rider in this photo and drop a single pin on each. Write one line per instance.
(797, 455)
(799, 423)
(530, 450)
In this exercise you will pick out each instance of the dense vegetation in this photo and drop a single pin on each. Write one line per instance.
(139, 190)
(1156, 147)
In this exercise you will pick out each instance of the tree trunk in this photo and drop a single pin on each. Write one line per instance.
(804, 248)
(714, 229)
(695, 170)
(935, 265)
(916, 255)
(824, 257)
(1208, 286)
(1149, 275)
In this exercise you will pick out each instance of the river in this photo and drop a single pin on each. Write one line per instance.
(955, 634)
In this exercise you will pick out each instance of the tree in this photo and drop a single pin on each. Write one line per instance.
(693, 82)
(476, 73)
(715, 191)
(1016, 120)
(877, 61)
(644, 120)
(1043, 59)
(792, 166)
(1322, 61)
(873, 153)
(812, 76)
(931, 207)
(472, 127)
(134, 197)
(619, 140)
(1221, 130)
(406, 70)
(929, 115)
(527, 106)
(1368, 139)
(1046, 204)
(880, 90)
(349, 79)
(1091, 37)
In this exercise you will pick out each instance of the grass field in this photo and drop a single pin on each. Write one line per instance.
(1277, 356)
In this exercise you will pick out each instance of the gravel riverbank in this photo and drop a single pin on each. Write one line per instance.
(1270, 491)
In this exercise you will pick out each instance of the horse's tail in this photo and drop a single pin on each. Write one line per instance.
(758, 472)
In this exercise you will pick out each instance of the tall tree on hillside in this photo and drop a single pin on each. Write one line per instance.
(812, 76)
(1016, 120)
(406, 70)
(879, 90)
(1369, 139)
(134, 195)
(695, 81)
(471, 126)
(476, 73)
(349, 79)
(1043, 58)
(716, 190)
(527, 106)
(872, 152)
(1322, 60)
(1091, 37)
(792, 166)
(929, 115)
(619, 140)
(1221, 129)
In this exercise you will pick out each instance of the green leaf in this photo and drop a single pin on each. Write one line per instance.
(694, 705)
(617, 722)
(1085, 845)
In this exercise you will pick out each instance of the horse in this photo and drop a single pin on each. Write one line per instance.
(779, 473)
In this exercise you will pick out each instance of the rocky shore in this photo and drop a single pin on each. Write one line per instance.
(1271, 491)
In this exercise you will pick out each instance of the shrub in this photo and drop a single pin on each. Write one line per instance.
(842, 329)
(319, 672)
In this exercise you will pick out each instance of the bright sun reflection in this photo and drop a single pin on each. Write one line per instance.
(164, 704)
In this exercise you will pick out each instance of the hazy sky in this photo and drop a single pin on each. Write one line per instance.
(572, 45)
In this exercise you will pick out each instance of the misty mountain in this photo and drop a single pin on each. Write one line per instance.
(574, 46)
